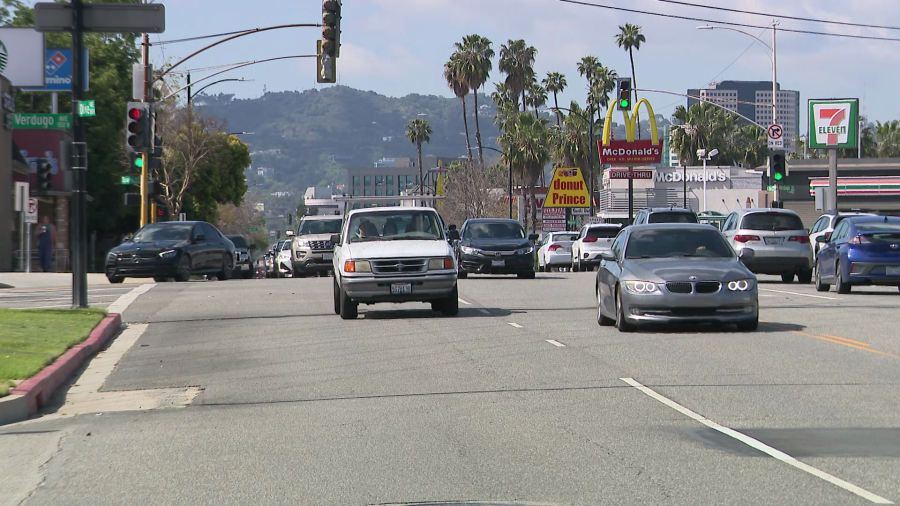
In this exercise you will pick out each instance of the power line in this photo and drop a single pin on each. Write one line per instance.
(200, 37)
(779, 16)
(744, 25)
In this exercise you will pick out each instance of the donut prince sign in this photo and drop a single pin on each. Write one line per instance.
(833, 123)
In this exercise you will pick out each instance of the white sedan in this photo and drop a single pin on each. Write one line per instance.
(555, 251)
(591, 242)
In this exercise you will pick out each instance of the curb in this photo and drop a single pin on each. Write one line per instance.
(29, 396)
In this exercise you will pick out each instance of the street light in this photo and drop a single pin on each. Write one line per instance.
(774, 59)
(703, 155)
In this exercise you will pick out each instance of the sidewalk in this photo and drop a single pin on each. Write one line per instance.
(36, 280)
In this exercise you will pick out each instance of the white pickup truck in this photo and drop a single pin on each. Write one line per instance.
(394, 254)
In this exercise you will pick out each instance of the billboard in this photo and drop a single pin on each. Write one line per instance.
(22, 56)
(58, 70)
(833, 123)
(630, 153)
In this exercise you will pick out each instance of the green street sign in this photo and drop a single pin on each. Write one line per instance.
(254, 229)
(782, 187)
(135, 180)
(42, 121)
(833, 123)
(87, 108)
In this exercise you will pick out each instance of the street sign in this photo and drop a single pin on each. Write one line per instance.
(135, 180)
(21, 196)
(630, 174)
(630, 153)
(833, 123)
(102, 17)
(567, 189)
(782, 187)
(58, 70)
(775, 133)
(581, 211)
(554, 213)
(42, 121)
(21, 55)
(87, 108)
(31, 212)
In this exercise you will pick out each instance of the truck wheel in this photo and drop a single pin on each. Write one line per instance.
(337, 298)
(349, 308)
(450, 305)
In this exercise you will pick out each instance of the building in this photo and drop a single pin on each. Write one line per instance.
(753, 99)
(390, 176)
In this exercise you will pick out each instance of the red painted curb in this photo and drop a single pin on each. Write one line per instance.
(38, 389)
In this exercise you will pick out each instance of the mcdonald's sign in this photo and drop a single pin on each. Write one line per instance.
(630, 151)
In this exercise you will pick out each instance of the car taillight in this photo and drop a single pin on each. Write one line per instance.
(746, 238)
(590, 239)
(802, 239)
(860, 239)
(554, 247)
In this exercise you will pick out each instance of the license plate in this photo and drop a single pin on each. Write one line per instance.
(892, 271)
(773, 240)
(327, 256)
(498, 263)
(401, 288)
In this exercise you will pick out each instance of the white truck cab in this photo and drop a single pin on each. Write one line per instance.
(394, 254)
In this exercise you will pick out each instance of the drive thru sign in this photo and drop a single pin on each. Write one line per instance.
(567, 189)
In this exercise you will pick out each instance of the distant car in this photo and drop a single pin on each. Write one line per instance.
(555, 250)
(675, 273)
(665, 215)
(825, 225)
(495, 246)
(284, 264)
(394, 254)
(312, 250)
(862, 250)
(243, 264)
(590, 243)
(779, 241)
(172, 249)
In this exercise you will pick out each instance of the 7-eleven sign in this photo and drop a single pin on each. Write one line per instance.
(833, 123)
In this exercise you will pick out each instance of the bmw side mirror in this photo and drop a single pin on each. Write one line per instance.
(453, 234)
(533, 237)
(747, 254)
(336, 239)
(609, 256)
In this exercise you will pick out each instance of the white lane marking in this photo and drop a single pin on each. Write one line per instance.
(800, 294)
(516, 325)
(556, 343)
(759, 445)
(464, 302)
(484, 311)
(124, 301)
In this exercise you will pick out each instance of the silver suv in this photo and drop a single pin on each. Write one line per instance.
(312, 250)
(778, 239)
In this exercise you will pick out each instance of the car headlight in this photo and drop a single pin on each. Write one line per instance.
(168, 254)
(357, 266)
(437, 264)
(469, 250)
(302, 243)
(642, 287)
(524, 251)
(740, 285)
(111, 257)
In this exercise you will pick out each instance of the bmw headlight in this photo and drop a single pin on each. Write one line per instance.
(740, 285)
(642, 287)
(168, 254)
(469, 250)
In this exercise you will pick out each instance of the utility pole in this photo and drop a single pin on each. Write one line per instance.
(774, 97)
(145, 157)
(79, 163)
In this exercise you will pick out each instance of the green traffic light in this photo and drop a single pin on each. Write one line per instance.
(139, 162)
(778, 176)
(623, 103)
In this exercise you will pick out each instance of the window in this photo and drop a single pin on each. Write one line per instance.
(356, 192)
(729, 223)
(379, 180)
(356, 180)
(395, 226)
(655, 243)
(602, 232)
(390, 180)
(840, 232)
(495, 230)
(820, 224)
(617, 245)
(774, 221)
(390, 192)
(368, 192)
(379, 192)
(212, 233)
(368, 180)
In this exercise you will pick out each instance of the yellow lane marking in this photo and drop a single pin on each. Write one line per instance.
(848, 340)
(863, 348)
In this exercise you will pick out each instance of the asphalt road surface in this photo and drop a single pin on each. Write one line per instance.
(61, 297)
(523, 398)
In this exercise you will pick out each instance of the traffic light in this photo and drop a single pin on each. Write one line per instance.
(623, 93)
(329, 48)
(137, 128)
(777, 166)
(44, 174)
(135, 163)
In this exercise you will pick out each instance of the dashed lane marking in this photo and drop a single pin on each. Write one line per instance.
(516, 325)
(556, 343)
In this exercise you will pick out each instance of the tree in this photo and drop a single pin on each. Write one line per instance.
(526, 141)
(475, 53)
(517, 62)
(453, 74)
(887, 137)
(630, 38)
(473, 193)
(220, 177)
(418, 131)
(555, 83)
(537, 96)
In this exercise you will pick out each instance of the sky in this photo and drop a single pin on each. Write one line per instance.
(398, 47)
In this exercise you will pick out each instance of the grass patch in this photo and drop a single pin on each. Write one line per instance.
(31, 339)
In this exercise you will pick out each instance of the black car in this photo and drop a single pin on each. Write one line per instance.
(174, 249)
(495, 246)
(243, 265)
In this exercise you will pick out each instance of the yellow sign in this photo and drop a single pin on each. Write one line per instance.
(631, 123)
(567, 189)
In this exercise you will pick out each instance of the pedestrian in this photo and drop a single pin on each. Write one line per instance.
(46, 239)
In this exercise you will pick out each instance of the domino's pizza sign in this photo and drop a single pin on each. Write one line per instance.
(58, 70)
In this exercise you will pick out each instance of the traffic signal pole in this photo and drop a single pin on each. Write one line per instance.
(145, 157)
(79, 163)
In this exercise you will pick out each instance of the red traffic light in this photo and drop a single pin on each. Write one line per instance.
(135, 113)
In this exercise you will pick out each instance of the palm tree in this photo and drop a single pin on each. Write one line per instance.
(419, 131)
(630, 38)
(526, 139)
(887, 137)
(460, 88)
(555, 83)
(537, 96)
(569, 142)
(475, 53)
(517, 62)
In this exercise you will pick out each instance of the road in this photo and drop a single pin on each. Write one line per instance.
(523, 397)
(100, 296)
